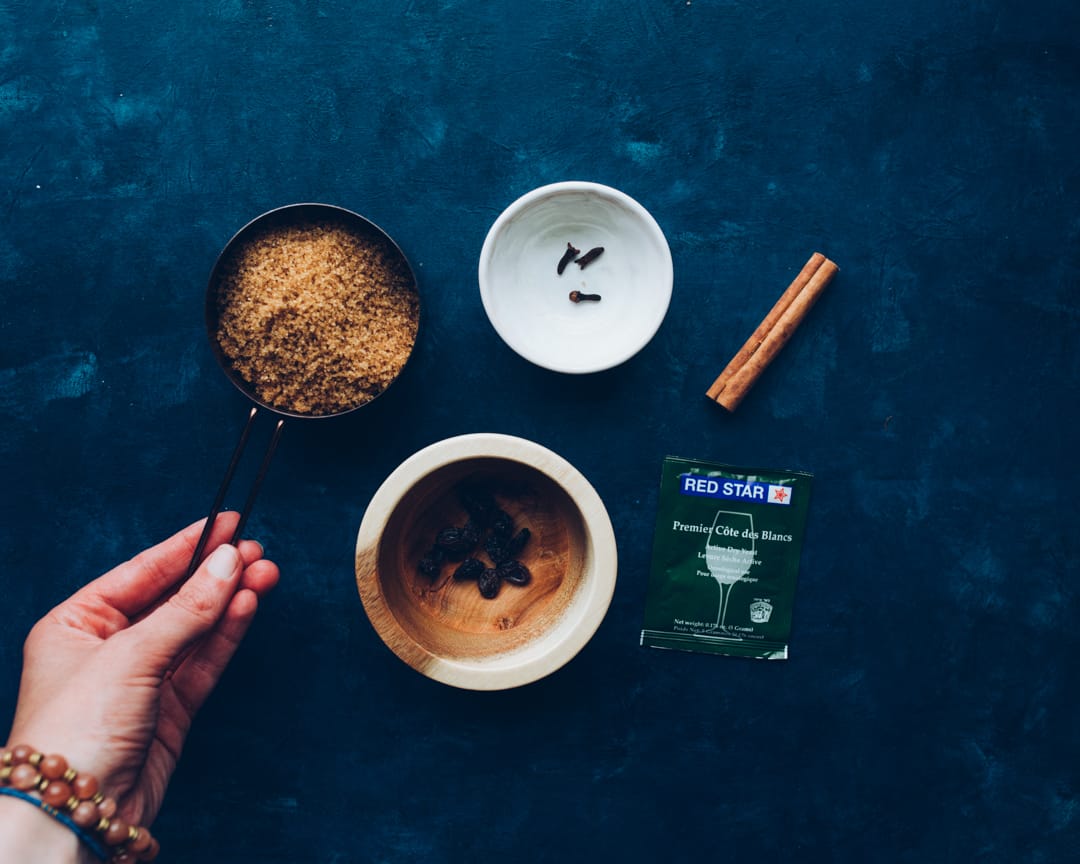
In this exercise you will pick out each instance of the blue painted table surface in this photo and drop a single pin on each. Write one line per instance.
(928, 712)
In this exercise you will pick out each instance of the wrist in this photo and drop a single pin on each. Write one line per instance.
(74, 801)
(29, 834)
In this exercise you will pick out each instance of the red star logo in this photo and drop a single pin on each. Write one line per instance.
(780, 495)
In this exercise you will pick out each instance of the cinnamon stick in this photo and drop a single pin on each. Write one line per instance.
(756, 338)
(772, 333)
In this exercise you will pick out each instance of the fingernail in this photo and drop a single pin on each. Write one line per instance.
(222, 564)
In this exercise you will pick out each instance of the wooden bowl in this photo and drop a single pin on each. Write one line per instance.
(443, 627)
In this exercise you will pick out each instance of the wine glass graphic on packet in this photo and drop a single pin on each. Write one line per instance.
(729, 554)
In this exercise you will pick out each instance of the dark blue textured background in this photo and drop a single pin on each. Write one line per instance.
(928, 713)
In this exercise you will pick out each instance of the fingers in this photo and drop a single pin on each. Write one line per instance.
(137, 584)
(194, 680)
(260, 575)
(250, 551)
(194, 610)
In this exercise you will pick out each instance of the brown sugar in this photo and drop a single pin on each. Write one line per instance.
(316, 318)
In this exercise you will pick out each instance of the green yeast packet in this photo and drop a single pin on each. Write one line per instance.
(725, 559)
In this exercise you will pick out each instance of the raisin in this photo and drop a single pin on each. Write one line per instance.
(430, 565)
(456, 541)
(502, 525)
(489, 584)
(470, 568)
(478, 503)
(514, 572)
(495, 547)
(517, 543)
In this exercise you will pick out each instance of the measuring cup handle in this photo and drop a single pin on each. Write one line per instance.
(253, 494)
(238, 451)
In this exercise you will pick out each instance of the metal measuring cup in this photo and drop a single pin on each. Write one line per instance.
(281, 217)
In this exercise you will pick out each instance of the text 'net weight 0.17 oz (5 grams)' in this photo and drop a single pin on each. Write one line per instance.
(725, 559)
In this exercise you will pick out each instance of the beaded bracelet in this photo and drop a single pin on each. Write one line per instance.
(72, 796)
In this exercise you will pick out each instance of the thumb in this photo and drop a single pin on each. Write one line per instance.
(193, 610)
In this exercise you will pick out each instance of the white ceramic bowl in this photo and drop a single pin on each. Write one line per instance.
(528, 302)
(443, 628)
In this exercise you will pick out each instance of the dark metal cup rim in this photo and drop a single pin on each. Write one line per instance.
(286, 215)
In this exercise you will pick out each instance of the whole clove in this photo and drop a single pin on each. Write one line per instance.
(569, 255)
(578, 296)
(590, 256)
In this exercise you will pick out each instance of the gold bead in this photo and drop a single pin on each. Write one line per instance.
(72, 803)
(97, 798)
(6, 759)
(102, 825)
(35, 759)
(43, 782)
(5, 772)
(70, 774)
(139, 842)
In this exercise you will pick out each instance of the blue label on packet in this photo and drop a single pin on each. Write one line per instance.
(733, 490)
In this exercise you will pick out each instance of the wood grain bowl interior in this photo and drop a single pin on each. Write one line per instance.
(450, 618)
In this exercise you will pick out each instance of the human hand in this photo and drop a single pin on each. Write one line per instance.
(113, 676)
